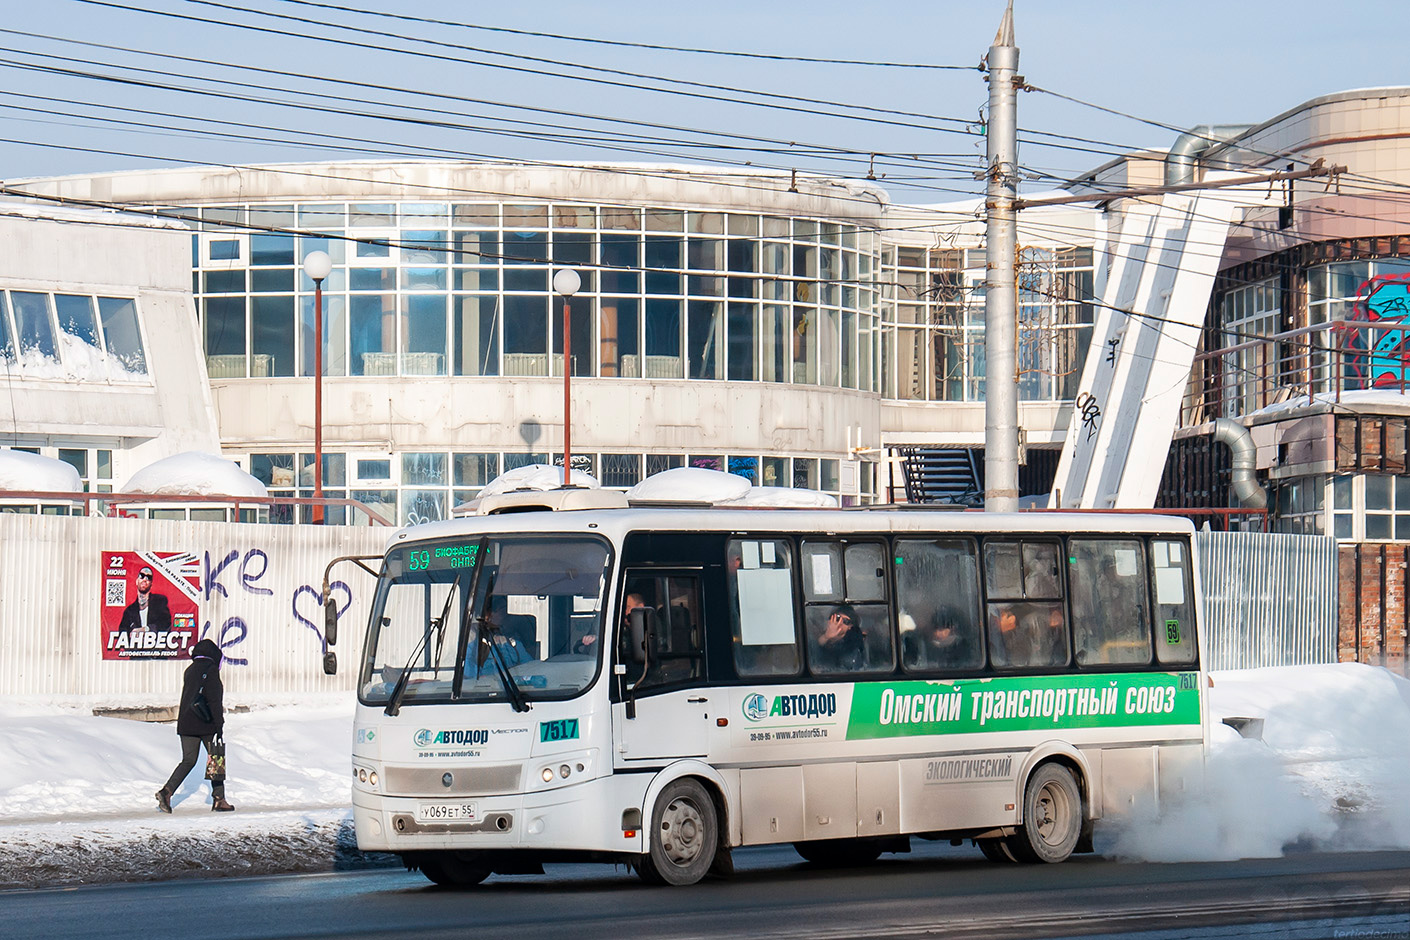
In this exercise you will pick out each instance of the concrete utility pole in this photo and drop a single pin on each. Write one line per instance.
(1001, 297)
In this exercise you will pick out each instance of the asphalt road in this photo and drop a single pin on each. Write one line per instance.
(937, 891)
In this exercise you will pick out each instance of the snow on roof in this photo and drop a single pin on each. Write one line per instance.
(538, 477)
(784, 497)
(21, 470)
(194, 474)
(690, 484)
(1368, 399)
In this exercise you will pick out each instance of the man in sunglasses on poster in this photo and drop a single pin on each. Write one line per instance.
(150, 612)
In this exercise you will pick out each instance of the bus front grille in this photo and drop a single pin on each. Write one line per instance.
(464, 781)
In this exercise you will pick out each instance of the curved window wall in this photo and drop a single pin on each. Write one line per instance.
(408, 488)
(933, 323)
(464, 290)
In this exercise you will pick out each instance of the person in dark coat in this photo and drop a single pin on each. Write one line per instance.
(197, 725)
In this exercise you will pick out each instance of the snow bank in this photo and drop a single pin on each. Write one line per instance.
(77, 804)
(21, 470)
(194, 474)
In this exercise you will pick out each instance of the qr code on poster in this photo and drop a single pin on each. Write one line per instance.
(117, 592)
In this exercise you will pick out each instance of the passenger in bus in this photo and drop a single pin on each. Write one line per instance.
(1033, 636)
(479, 659)
(841, 646)
(586, 645)
(1012, 646)
(942, 644)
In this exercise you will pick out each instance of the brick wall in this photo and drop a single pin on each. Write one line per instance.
(1372, 614)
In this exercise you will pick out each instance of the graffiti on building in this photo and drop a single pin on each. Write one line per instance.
(1380, 357)
(1089, 411)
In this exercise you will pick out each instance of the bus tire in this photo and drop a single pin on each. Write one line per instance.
(450, 871)
(833, 853)
(1052, 816)
(995, 850)
(683, 837)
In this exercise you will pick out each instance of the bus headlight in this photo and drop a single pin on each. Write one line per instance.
(548, 775)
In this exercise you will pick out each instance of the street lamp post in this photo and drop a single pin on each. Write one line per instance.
(566, 283)
(318, 266)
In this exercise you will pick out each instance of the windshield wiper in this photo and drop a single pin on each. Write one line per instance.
(489, 632)
(458, 682)
(439, 624)
(516, 695)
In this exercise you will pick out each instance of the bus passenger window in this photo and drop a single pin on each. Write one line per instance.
(760, 575)
(937, 594)
(1174, 603)
(1110, 603)
(846, 617)
(1027, 625)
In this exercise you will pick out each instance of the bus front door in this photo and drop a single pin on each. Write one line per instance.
(665, 712)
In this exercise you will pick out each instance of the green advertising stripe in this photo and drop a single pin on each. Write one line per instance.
(964, 706)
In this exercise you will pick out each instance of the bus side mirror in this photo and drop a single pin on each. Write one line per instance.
(642, 624)
(330, 622)
(330, 664)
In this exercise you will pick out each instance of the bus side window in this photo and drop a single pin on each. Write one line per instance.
(1110, 601)
(847, 619)
(760, 576)
(937, 594)
(1174, 603)
(1025, 611)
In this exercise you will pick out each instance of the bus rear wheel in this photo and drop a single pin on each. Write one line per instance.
(995, 850)
(1052, 817)
(683, 837)
(450, 871)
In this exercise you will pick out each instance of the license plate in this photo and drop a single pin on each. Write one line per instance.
(446, 812)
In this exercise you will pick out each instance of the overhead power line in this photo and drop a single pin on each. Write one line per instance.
(773, 57)
(710, 94)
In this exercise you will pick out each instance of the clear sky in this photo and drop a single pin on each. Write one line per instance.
(1178, 64)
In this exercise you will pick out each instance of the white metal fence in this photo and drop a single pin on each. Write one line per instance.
(255, 591)
(1269, 599)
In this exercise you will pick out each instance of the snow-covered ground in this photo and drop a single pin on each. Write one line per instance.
(1331, 770)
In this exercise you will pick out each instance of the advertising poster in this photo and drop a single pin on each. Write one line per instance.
(151, 604)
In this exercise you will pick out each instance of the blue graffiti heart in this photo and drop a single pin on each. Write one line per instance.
(333, 588)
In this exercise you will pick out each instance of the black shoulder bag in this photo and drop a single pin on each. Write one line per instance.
(199, 706)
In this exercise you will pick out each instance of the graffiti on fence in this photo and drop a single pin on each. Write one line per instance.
(153, 602)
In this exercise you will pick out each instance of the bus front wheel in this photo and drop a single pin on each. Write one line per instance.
(683, 837)
(1052, 816)
(450, 871)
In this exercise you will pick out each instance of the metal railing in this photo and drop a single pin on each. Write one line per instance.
(110, 504)
(1325, 359)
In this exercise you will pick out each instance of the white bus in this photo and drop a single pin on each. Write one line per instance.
(661, 685)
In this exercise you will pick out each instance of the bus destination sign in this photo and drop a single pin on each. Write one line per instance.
(443, 556)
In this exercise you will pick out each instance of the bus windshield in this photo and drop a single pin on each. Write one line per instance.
(491, 610)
